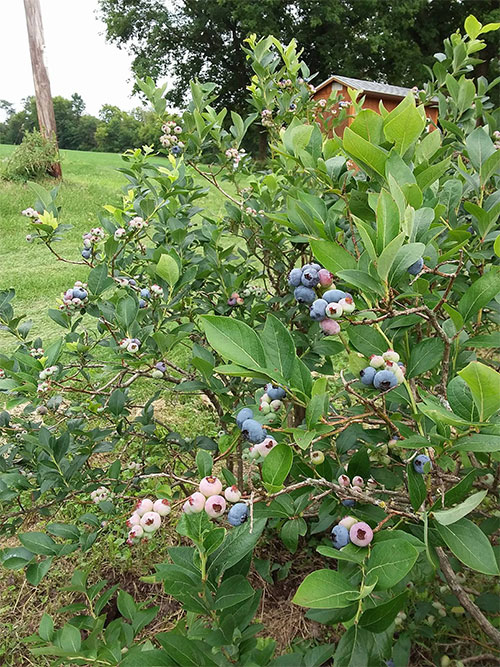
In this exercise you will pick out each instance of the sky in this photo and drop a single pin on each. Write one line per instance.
(78, 57)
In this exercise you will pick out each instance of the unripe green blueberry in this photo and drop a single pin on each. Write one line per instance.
(157, 374)
(317, 457)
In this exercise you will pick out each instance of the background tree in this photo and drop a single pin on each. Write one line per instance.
(201, 38)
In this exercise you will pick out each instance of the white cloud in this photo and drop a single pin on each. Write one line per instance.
(78, 57)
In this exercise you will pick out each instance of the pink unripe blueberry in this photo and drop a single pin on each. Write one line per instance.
(215, 506)
(348, 522)
(232, 494)
(186, 508)
(210, 486)
(136, 532)
(344, 480)
(264, 447)
(330, 327)
(143, 506)
(134, 520)
(358, 481)
(361, 534)
(151, 521)
(162, 507)
(377, 361)
(196, 502)
(325, 278)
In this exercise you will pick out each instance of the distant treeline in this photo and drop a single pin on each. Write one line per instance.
(113, 131)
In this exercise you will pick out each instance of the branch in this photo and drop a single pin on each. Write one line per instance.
(464, 599)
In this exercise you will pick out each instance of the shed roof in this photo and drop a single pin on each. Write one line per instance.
(382, 89)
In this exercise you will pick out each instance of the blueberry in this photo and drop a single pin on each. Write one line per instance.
(348, 502)
(294, 277)
(471, 229)
(293, 107)
(384, 380)
(253, 431)
(310, 277)
(86, 253)
(160, 366)
(340, 536)
(243, 415)
(132, 282)
(142, 303)
(416, 267)
(79, 293)
(316, 267)
(419, 463)
(367, 375)
(275, 393)
(176, 150)
(238, 514)
(145, 294)
(334, 295)
(304, 294)
(317, 311)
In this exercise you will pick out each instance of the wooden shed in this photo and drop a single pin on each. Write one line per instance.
(373, 92)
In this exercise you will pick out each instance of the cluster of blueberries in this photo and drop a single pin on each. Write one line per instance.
(147, 293)
(99, 494)
(170, 137)
(209, 498)
(90, 239)
(384, 372)
(132, 345)
(268, 401)
(146, 518)
(235, 300)
(37, 352)
(327, 308)
(250, 427)
(349, 529)
(75, 298)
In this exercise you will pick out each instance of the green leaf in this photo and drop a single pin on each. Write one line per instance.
(237, 544)
(64, 530)
(470, 545)
(460, 399)
(479, 294)
(332, 256)
(62, 319)
(116, 402)
(388, 256)
(490, 166)
(37, 571)
(368, 124)
(362, 150)
(168, 269)
(484, 383)
(387, 220)
(424, 356)
(405, 257)
(39, 543)
(350, 552)
(360, 648)
(204, 463)
(46, 628)
(479, 147)
(363, 280)
(478, 443)
(277, 465)
(404, 124)
(126, 311)
(178, 647)
(439, 414)
(379, 618)
(279, 347)
(367, 340)
(416, 487)
(290, 532)
(98, 280)
(232, 591)
(234, 340)
(454, 514)
(472, 26)
(70, 639)
(426, 177)
(126, 604)
(325, 589)
(389, 562)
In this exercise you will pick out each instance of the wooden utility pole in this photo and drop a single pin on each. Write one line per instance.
(44, 105)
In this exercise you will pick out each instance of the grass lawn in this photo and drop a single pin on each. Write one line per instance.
(90, 180)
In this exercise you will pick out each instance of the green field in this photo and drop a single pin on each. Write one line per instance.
(90, 180)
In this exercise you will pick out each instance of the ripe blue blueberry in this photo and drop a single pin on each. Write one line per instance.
(176, 150)
(142, 303)
(304, 294)
(243, 415)
(293, 107)
(238, 514)
(294, 277)
(317, 311)
(275, 393)
(334, 295)
(145, 293)
(367, 375)
(416, 267)
(310, 277)
(340, 536)
(348, 502)
(384, 380)
(253, 431)
(79, 293)
(419, 463)
(86, 253)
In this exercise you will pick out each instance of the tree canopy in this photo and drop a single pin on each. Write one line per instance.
(376, 39)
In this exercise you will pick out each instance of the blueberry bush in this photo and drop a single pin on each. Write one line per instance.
(341, 320)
